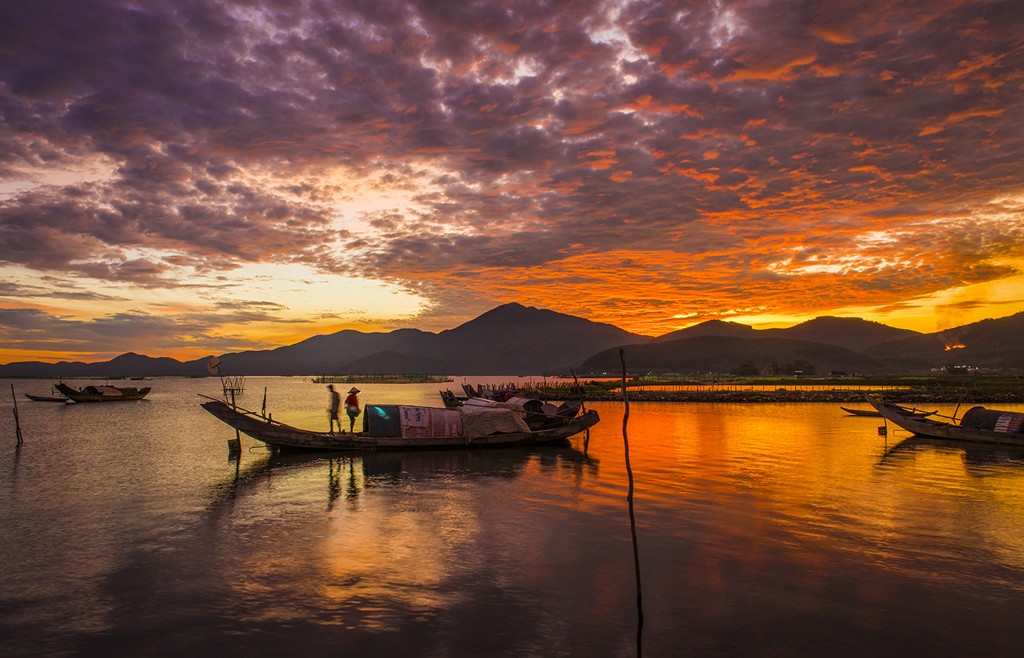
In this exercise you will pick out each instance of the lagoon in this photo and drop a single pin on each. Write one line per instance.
(762, 529)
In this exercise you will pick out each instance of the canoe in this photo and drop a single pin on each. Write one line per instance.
(875, 414)
(102, 393)
(46, 398)
(979, 425)
(392, 427)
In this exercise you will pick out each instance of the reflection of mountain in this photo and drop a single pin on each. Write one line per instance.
(514, 339)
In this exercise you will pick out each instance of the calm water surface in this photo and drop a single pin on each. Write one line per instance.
(781, 530)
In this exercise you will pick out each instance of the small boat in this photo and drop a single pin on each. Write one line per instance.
(46, 398)
(978, 424)
(102, 393)
(396, 427)
(875, 414)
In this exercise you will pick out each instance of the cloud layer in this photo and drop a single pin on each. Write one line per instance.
(627, 161)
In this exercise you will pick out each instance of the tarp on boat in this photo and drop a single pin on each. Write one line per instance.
(428, 422)
(478, 422)
(981, 418)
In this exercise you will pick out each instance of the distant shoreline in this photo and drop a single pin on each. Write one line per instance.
(908, 397)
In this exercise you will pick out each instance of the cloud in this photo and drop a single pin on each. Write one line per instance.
(726, 149)
(27, 331)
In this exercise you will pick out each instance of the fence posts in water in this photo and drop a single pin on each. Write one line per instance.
(235, 444)
(632, 517)
(17, 420)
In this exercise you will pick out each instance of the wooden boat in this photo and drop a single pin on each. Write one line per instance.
(101, 393)
(394, 427)
(47, 398)
(978, 425)
(875, 414)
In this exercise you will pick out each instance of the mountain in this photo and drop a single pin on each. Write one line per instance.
(723, 353)
(989, 343)
(852, 333)
(711, 328)
(516, 339)
(509, 339)
(125, 365)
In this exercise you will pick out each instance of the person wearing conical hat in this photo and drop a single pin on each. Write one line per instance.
(352, 407)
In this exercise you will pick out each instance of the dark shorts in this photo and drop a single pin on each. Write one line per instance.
(334, 415)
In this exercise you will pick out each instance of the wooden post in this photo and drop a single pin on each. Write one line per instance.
(17, 421)
(632, 517)
(234, 445)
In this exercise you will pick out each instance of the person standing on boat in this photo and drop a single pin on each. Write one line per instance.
(352, 408)
(333, 411)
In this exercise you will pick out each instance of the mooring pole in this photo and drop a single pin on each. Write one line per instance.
(632, 516)
(17, 421)
(234, 445)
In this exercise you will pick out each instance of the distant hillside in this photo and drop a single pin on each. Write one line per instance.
(711, 328)
(393, 363)
(723, 353)
(515, 339)
(125, 365)
(852, 333)
(509, 339)
(990, 343)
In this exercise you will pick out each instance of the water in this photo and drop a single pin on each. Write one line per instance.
(782, 530)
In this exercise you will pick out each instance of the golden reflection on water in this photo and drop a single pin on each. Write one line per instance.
(776, 528)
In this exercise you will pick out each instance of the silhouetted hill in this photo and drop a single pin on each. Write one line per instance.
(852, 333)
(125, 365)
(394, 363)
(722, 354)
(997, 343)
(322, 354)
(515, 339)
(711, 328)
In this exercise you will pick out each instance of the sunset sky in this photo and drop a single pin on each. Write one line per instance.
(187, 177)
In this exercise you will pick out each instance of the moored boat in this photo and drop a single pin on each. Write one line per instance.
(101, 393)
(875, 414)
(397, 427)
(46, 398)
(977, 425)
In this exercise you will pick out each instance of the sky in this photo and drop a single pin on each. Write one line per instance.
(186, 177)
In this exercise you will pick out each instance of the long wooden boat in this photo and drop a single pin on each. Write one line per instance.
(875, 414)
(979, 425)
(46, 398)
(101, 393)
(393, 427)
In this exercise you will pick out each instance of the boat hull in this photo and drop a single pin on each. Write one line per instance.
(937, 430)
(284, 436)
(875, 414)
(85, 395)
(45, 398)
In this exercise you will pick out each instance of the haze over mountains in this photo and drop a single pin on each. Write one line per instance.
(515, 339)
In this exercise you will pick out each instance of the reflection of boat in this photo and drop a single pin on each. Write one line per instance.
(978, 424)
(901, 410)
(350, 474)
(102, 393)
(394, 427)
(974, 454)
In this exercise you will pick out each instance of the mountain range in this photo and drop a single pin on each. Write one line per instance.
(516, 339)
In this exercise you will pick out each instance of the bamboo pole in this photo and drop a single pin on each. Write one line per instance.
(632, 516)
(17, 420)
